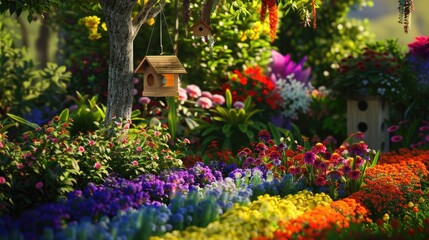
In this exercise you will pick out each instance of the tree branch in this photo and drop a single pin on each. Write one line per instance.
(150, 10)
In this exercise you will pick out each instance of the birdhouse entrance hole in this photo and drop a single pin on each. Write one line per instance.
(150, 80)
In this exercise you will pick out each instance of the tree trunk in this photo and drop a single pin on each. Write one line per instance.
(120, 85)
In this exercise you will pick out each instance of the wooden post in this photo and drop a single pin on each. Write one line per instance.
(368, 115)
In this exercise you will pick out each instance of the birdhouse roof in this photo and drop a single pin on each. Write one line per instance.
(200, 22)
(162, 64)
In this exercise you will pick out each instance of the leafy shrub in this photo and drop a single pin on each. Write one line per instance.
(50, 162)
(24, 87)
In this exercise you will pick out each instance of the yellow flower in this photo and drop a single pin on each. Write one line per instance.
(410, 204)
(94, 36)
(104, 26)
(150, 21)
(386, 217)
(243, 37)
(91, 21)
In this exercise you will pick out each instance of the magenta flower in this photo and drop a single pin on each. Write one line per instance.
(205, 102)
(218, 99)
(139, 149)
(309, 157)
(427, 138)
(396, 138)
(283, 66)
(420, 47)
(193, 91)
(39, 185)
(2, 180)
(97, 165)
(424, 128)
(144, 100)
(183, 96)
(393, 128)
(91, 142)
(135, 163)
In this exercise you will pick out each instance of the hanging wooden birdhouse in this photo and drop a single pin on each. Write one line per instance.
(201, 29)
(160, 75)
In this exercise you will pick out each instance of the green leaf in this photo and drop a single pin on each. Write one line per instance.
(226, 129)
(4, 128)
(64, 115)
(228, 98)
(375, 160)
(242, 127)
(23, 121)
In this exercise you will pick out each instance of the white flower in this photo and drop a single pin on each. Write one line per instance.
(296, 96)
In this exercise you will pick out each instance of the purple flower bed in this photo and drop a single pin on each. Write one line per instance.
(107, 199)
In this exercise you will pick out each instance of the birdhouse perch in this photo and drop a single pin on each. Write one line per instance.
(160, 75)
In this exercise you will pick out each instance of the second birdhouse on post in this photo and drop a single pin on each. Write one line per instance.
(160, 75)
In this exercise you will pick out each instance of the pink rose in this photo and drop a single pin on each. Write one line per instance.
(97, 165)
(193, 91)
(183, 96)
(205, 102)
(218, 99)
(81, 149)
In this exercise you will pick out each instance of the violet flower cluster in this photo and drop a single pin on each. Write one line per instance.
(114, 195)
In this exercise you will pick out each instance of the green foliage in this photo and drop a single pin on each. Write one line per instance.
(233, 128)
(23, 86)
(87, 116)
(335, 37)
(238, 41)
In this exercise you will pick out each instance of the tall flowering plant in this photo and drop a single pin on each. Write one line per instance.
(338, 172)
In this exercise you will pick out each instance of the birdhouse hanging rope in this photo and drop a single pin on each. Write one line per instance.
(161, 19)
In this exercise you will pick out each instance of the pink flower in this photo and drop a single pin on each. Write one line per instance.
(135, 92)
(186, 141)
(206, 94)
(360, 135)
(39, 185)
(157, 133)
(91, 142)
(427, 138)
(204, 102)
(155, 157)
(2, 180)
(135, 163)
(396, 138)
(238, 105)
(81, 149)
(97, 165)
(423, 128)
(139, 149)
(393, 128)
(19, 165)
(183, 96)
(1, 145)
(193, 91)
(420, 47)
(218, 99)
(144, 100)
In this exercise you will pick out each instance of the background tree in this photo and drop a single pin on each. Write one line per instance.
(122, 29)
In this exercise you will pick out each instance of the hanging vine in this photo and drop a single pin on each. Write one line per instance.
(406, 7)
